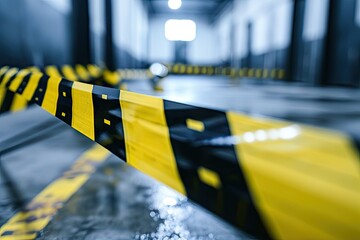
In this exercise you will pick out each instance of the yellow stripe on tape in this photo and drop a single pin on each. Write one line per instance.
(3, 70)
(196, 70)
(2, 95)
(83, 73)
(51, 95)
(19, 103)
(305, 181)
(18, 80)
(281, 74)
(147, 138)
(94, 70)
(52, 71)
(31, 86)
(33, 69)
(113, 78)
(83, 109)
(69, 73)
(48, 202)
(8, 75)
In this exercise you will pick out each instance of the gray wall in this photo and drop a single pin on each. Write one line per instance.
(35, 32)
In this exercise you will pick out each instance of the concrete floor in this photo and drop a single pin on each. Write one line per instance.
(118, 202)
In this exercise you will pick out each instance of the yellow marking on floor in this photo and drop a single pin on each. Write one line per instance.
(195, 125)
(83, 109)
(49, 201)
(51, 95)
(304, 180)
(64, 94)
(104, 96)
(144, 120)
(63, 114)
(209, 177)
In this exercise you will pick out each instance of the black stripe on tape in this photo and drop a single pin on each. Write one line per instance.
(64, 103)
(39, 93)
(194, 132)
(109, 130)
(23, 84)
(7, 85)
(7, 102)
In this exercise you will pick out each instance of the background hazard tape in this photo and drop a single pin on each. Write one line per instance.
(184, 69)
(273, 179)
(103, 77)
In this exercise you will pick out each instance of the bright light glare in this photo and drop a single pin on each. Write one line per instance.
(174, 4)
(159, 69)
(180, 30)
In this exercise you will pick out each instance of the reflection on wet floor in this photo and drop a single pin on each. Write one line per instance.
(120, 203)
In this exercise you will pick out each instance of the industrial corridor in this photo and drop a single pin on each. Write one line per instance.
(179, 119)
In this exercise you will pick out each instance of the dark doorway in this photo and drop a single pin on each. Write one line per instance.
(297, 44)
(249, 44)
(180, 52)
(343, 45)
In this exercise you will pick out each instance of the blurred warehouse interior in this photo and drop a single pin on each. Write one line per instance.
(316, 42)
(215, 136)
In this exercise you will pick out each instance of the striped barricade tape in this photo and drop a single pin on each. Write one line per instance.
(259, 73)
(273, 179)
(90, 73)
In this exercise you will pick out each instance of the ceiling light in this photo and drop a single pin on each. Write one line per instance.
(174, 4)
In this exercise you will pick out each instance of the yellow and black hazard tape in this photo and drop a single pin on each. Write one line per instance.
(10, 101)
(90, 73)
(183, 69)
(29, 222)
(273, 179)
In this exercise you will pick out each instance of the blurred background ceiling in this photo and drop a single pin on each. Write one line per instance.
(209, 8)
